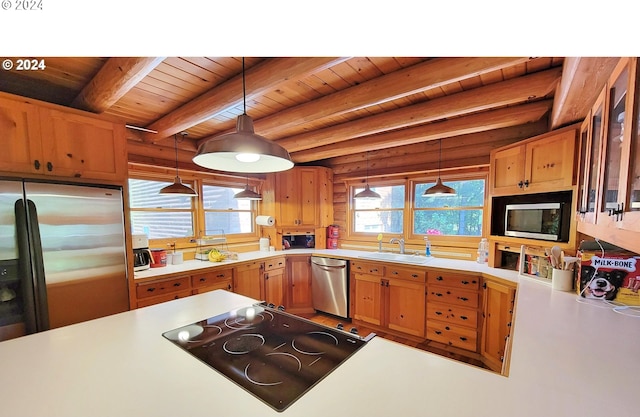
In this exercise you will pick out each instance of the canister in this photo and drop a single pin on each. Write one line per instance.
(158, 258)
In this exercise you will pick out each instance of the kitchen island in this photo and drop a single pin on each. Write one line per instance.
(568, 358)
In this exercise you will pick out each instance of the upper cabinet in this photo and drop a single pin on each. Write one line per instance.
(610, 208)
(49, 140)
(541, 164)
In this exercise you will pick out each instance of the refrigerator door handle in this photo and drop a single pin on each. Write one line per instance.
(29, 242)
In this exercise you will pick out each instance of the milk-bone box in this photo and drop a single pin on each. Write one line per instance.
(613, 277)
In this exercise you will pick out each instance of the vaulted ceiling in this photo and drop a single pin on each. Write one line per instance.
(331, 111)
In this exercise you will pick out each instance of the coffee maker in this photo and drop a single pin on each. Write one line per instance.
(141, 253)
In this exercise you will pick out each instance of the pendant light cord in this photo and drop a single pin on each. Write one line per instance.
(175, 146)
(439, 157)
(244, 92)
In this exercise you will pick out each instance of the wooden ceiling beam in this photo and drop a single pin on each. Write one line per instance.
(261, 78)
(517, 90)
(582, 80)
(415, 79)
(116, 77)
(427, 152)
(478, 122)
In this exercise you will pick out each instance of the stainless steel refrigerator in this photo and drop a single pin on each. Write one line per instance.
(62, 255)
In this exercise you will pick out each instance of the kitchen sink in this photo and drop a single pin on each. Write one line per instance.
(396, 257)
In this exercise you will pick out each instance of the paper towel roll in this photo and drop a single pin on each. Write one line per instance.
(265, 221)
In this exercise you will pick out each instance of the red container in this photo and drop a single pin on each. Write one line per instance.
(333, 231)
(158, 258)
(332, 243)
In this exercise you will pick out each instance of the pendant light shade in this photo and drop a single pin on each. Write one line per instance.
(178, 188)
(367, 193)
(439, 189)
(243, 150)
(247, 194)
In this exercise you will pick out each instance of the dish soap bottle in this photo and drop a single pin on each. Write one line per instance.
(427, 246)
(483, 251)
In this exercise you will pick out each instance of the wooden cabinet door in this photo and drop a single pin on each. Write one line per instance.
(308, 197)
(299, 284)
(287, 187)
(247, 280)
(497, 313)
(507, 166)
(406, 306)
(82, 147)
(20, 137)
(368, 303)
(550, 163)
(297, 196)
(274, 281)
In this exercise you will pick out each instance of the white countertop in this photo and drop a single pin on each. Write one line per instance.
(568, 359)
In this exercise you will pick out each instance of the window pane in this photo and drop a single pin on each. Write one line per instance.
(159, 225)
(145, 194)
(469, 193)
(221, 198)
(228, 222)
(392, 197)
(378, 221)
(448, 222)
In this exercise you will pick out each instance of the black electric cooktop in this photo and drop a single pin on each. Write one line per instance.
(274, 355)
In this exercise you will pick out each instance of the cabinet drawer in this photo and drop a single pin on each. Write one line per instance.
(453, 296)
(219, 285)
(452, 335)
(367, 268)
(152, 289)
(163, 298)
(415, 275)
(454, 280)
(275, 263)
(209, 278)
(249, 266)
(453, 314)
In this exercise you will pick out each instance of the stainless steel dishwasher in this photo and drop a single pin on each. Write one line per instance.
(330, 285)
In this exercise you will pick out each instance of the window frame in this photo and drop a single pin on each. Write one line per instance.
(409, 209)
(196, 180)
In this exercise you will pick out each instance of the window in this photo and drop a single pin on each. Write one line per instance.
(457, 215)
(223, 213)
(159, 216)
(378, 216)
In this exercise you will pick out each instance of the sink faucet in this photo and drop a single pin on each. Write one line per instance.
(399, 242)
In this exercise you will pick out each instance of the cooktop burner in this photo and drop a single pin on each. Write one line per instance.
(274, 355)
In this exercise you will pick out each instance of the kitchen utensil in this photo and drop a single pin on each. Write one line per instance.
(569, 261)
(555, 256)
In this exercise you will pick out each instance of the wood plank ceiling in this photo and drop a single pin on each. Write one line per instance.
(334, 112)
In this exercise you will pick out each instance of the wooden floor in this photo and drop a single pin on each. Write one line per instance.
(434, 347)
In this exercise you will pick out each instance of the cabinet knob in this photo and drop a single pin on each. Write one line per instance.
(49, 166)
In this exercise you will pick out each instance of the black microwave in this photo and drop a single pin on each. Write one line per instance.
(544, 221)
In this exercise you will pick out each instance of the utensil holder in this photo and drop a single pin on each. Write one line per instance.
(562, 279)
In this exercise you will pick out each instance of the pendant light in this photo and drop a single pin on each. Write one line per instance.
(178, 188)
(367, 193)
(247, 194)
(243, 150)
(439, 189)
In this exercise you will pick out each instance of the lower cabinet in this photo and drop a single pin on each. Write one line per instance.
(274, 281)
(453, 302)
(298, 297)
(209, 281)
(390, 297)
(159, 291)
(499, 303)
(247, 279)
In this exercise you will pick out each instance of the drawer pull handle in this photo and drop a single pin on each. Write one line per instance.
(437, 294)
(220, 276)
(464, 298)
(177, 284)
(439, 278)
(414, 275)
(463, 317)
(395, 272)
(438, 332)
(438, 313)
(464, 339)
(203, 279)
(229, 287)
(151, 289)
(465, 282)
(374, 270)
